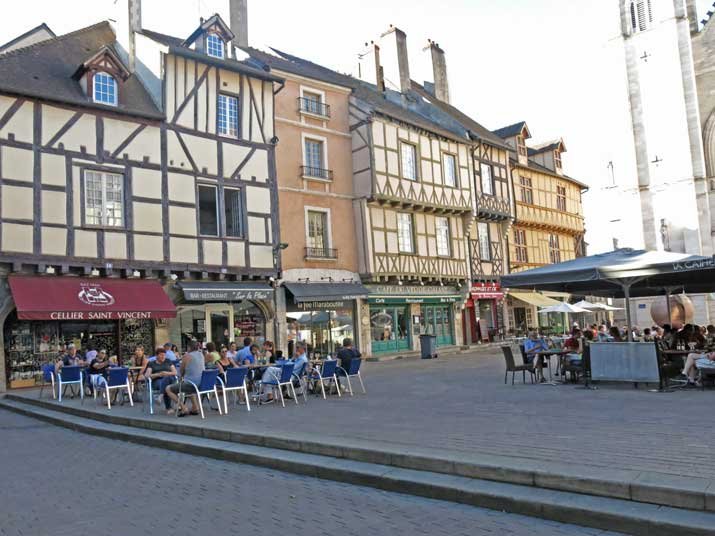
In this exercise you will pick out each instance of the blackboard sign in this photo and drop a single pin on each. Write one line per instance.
(625, 362)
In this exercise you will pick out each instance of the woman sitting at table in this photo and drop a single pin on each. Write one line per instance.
(696, 361)
(574, 346)
(99, 369)
(615, 334)
(225, 362)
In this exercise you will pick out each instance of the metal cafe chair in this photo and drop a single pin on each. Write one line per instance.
(72, 375)
(207, 386)
(152, 392)
(327, 373)
(284, 380)
(234, 379)
(48, 377)
(117, 379)
(352, 372)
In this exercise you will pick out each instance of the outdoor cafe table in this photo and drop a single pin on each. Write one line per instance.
(548, 354)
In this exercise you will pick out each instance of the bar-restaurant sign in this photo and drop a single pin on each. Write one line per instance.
(486, 291)
(226, 295)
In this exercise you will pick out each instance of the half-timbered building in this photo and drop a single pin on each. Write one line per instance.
(549, 224)
(128, 165)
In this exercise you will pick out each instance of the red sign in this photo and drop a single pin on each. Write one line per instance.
(73, 298)
(486, 291)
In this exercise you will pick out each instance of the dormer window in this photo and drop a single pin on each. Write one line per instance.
(557, 160)
(214, 46)
(521, 145)
(104, 89)
(641, 15)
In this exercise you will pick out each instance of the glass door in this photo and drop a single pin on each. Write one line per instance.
(219, 319)
(389, 329)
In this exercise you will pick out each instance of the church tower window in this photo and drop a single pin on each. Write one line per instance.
(641, 15)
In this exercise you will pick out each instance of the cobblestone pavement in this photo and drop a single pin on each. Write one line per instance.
(60, 482)
(460, 405)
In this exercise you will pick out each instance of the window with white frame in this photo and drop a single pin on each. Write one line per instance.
(521, 145)
(485, 250)
(408, 156)
(227, 115)
(561, 198)
(521, 249)
(103, 198)
(443, 240)
(318, 237)
(312, 102)
(405, 236)
(104, 88)
(641, 15)
(527, 190)
(315, 158)
(487, 178)
(449, 161)
(554, 249)
(557, 159)
(214, 46)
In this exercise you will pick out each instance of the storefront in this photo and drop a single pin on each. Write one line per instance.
(524, 314)
(221, 312)
(322, 315)
(399, 314)
(112, 314)
(483, 318)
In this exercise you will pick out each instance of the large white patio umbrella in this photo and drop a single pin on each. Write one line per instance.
(596, 306)
(564, 308)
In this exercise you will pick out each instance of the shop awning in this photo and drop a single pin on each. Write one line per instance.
(73, 298)
(534, 298)
(327, 292)
(224, 291)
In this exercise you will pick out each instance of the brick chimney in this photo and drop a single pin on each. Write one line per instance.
(134, 8)
(439, 72)
(239, 22)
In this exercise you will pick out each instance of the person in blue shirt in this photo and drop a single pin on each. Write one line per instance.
(245, 354)
(272, 374)
(532, 346)
(170, 355)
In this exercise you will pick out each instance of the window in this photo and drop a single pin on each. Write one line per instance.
(554, 249)
(312, 103)
(408, 153)
(450, 170)
(641, 15)
(405, 241)
(522, 253)
(214, 46)
(227, 116)
(103, 199)
(208, 210)
(105, 89)
(561, 198)
(318, 231)
(521, 145)
(485, 250)
(443, 241)
(314, 161)
(232, 209)
(557, 160)
(487, 179)
(527, 192)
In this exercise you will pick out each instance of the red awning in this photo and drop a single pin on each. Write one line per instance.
(73, 298)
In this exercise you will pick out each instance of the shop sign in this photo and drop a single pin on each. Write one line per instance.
(410, 290)
(416, 299)
(321, 305)
(226, 295)
(486, 291)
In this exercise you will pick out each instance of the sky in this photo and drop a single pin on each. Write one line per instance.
(555, 64)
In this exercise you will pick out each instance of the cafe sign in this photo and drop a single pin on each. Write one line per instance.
(486, 291)
(320, 305)
(226, 295)
(410, 290)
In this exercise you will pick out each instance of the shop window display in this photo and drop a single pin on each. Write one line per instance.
(324, 331)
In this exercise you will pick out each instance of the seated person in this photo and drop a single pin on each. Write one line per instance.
(532, 346)
(225, 362)
(191, 369)
(648, 335)
(574, 346)
(697, 361)
(273, 374)
(99, 369)
(615, 334)
(347, 353)
(162, 373)
(69, 359)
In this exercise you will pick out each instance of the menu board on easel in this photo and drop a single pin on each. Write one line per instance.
(483, 329)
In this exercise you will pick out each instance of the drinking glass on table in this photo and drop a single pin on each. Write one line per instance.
(691, 345)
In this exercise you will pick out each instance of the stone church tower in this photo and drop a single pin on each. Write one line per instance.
(662, 50)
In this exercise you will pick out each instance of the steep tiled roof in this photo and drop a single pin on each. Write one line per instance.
(511, 130)
(36, 30)
(547, 146)
(45, 70)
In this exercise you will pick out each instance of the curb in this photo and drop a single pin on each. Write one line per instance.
(653, 488)
(596, 512)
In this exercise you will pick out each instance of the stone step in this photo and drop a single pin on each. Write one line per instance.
(647, 487)
(625, 516)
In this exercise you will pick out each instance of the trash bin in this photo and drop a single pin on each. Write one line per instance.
(428, 343)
